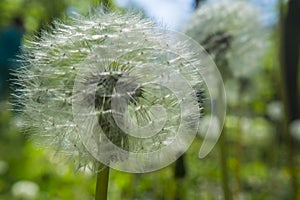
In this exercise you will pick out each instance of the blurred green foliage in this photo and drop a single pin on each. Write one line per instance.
(263, 171)
(39, 13)
(261, 160)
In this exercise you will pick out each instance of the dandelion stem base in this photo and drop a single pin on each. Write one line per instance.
(102, 182)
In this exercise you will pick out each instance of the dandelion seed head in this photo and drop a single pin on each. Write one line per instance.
(110, 87)
(232, 33)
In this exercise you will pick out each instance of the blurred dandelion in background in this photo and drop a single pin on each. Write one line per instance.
(232, 33)
(3, 167)
(275, 110)
(25, 190)
(295, 129)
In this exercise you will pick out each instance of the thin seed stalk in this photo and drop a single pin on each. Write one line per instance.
(238, 152)
(224, 167)
(102, 182)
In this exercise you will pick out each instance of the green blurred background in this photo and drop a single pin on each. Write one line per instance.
(261, 153)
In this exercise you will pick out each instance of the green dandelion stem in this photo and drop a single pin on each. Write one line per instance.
(224, 167)
(102, 182)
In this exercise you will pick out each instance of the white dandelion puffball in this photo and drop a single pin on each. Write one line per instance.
(25, 190)
(111, 88)
(295, 129)
(232, 32)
